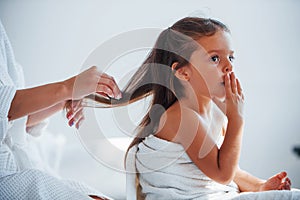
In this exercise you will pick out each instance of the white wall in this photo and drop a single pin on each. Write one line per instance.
(52, 39)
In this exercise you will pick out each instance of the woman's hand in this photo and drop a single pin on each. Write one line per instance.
(74, 113)
(90, 81)
(37, 117)
(279, 181)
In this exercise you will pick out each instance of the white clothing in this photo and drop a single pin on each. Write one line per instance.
(21, 176)
(166, 172)
(163, 170)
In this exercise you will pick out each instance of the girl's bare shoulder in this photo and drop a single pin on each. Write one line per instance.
(177, 122)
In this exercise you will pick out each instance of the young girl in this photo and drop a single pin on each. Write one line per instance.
(188, 144)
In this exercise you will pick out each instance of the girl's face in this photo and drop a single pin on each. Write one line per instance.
(212, 60)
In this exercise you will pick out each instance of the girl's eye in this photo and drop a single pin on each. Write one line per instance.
(215, 59)
(231, 58)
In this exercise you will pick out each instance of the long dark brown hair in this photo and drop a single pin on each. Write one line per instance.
(156, 77)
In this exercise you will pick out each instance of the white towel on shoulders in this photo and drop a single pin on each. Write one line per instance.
(163, 170)
(166, 172)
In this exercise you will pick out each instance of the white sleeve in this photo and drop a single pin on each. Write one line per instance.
(7, 88)
(7, 94)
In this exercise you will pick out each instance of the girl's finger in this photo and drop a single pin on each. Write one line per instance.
(227, 86)
(287, 183)
(233, 83)
(288, 180)
(239, 87)
(287, 186)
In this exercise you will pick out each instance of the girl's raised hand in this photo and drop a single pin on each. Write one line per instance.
(234, 97)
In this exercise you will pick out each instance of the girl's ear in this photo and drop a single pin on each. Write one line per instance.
(183, 73)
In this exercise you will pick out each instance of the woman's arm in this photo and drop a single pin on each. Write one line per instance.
(74, 114)
(33, 100)
(35, 118)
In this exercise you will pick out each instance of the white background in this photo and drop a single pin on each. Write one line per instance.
(53, 38)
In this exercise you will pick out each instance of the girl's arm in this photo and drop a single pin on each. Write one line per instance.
(250, 183)
(218, 164)
(247, 182)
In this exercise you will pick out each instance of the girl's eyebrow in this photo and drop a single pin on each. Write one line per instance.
(220, 51)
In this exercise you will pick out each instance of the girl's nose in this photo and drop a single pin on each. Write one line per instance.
(227, 68)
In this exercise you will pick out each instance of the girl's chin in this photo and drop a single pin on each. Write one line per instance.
(219, 97)
(219, 94)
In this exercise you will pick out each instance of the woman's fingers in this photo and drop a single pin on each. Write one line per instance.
(104, 90)
(88, 82)
(74, 113)
(107, 85)
(76, 117)
(73, 105)
(78, 124)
